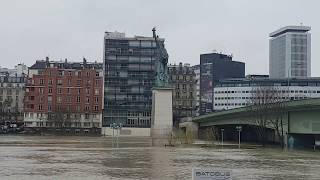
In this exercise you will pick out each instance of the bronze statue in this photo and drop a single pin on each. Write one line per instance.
(161, 62)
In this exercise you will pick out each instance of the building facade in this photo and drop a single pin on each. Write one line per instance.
(64, 97)
(129, 66)
(215, 67)
(183, 80)
(196, 70)
(290, 52)
(235, 93)
(12, 89)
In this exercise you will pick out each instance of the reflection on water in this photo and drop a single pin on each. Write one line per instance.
(33, 157)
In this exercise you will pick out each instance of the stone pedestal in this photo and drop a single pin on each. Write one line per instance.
(161, 116)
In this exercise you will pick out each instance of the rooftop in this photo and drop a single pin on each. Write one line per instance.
(286, 29)
(238, 82)
(42, 64)
(118, 35)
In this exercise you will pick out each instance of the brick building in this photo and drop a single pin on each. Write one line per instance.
(64, 97)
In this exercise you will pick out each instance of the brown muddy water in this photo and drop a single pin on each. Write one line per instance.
(49, 157)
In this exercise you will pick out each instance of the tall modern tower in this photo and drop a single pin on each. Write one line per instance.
(290, 52)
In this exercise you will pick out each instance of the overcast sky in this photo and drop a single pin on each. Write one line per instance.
(33, 29)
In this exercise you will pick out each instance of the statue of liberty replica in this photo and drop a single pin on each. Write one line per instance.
(161, 115)
(161, 62)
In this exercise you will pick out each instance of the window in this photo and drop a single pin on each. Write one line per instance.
(69, 91)
(49, 98)
(41, 90)
(69, 82)
(88, 82)
(78, 82)
(78, 108)
(59, 81)
(50, 81)
(50, 90)
(86, 108)
(86, 124)
(79, 91)
(87, 90)
(78, 99)
(60, 73)
(41, 81)
(96, 91)
(87, 116)
(96, 108)
(40, 107)
(88, 99)
(59, 107)
(59, 99)
(59, 90)
(96, 99)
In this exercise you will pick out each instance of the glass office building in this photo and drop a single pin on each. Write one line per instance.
(129, 78)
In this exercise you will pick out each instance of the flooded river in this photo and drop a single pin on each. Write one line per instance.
(48, 157)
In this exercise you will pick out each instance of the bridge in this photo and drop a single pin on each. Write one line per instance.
(300, 120)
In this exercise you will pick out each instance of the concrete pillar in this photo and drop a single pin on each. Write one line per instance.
(161, 116)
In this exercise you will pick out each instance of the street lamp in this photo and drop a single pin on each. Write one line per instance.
(239, 129)
(222, 131)
(288, 83)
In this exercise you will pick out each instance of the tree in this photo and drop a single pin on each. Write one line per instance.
(6, 111)
(278, 110)
(267, 104)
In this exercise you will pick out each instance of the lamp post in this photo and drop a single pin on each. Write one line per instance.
(239, 129)
(119, 126)
(288, 83)
(222, 132)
